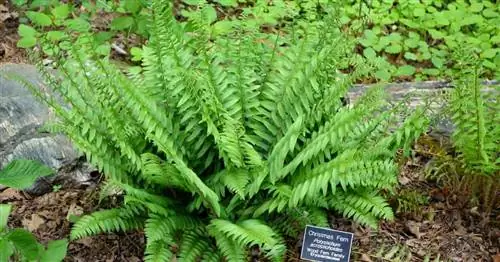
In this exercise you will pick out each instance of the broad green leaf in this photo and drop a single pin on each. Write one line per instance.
(103, 49)
(6, 250)
(61, 11)
(489, 53)
(209, 14)
(431, 9)
(194, 2)
(490, 13)
(102, 37)
(132, 6)
(476, 7)
(406, 70)
(369, 53)
(232, 3)
(384, 41)
(56, 251)
(495, 39)
(55, 36)
(24, 242)
(222, 27)
(489, 64)
(419, 12)
(395, 37)
(410, 23)
(471, 19)
(410, 56)
(40, 3)
(122, 23)
(394, 49)
(21, 173)
(136, 53)
(78, 25)
(431, 71)
(344, 20)
(412, 42)
(4, 215)
(19, 2)
(437, 62)
(38, 18)
(425, 55)
(142, 25)
(440, 19)
(26, 42)
(369, 39)
(383, 75)
(413, 35)
(436, 34)
(26, 31)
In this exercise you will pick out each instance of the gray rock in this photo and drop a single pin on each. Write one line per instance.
(21, 118)
(418, 93)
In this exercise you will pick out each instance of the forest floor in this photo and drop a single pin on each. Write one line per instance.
(445, 225)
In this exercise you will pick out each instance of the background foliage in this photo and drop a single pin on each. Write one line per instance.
(414, 38)
(19, 244)
(221, 143)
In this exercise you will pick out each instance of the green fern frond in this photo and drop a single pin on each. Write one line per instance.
(230, 249)
(159, 172)
(159, 226)
(476, 132)
(236, 180)
(212, 255)
(194, 244)
(284, 146)
(246, 233)
(158, 251)
(346, 170)
(364, 207)
(106, 221)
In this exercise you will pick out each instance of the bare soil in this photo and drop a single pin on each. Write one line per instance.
(47, 217)
(9, 21)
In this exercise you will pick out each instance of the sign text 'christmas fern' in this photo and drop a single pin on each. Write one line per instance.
(326, 245)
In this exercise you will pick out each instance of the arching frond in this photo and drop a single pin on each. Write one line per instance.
(106, 221)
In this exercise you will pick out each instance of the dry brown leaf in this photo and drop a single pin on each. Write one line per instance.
(87, 241)
(414, 228)
(496, 258)
(4, 13)
(366, 258)
(404, 180)
(460, 230)
(10, 194)
(74, 210)
(133, 259)
(34, 223)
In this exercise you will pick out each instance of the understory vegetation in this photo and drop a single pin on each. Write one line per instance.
(226, 137)
(18, 243)
(413, 39)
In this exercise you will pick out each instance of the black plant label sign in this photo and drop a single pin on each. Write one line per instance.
(326, 245)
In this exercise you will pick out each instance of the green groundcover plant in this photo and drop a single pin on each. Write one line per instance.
(19, 244)
(224, 144)
(417, 38)
(414, 38)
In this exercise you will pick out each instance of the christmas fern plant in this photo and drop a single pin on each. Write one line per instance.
(474, 112)
(472, 168)
(227, 144)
